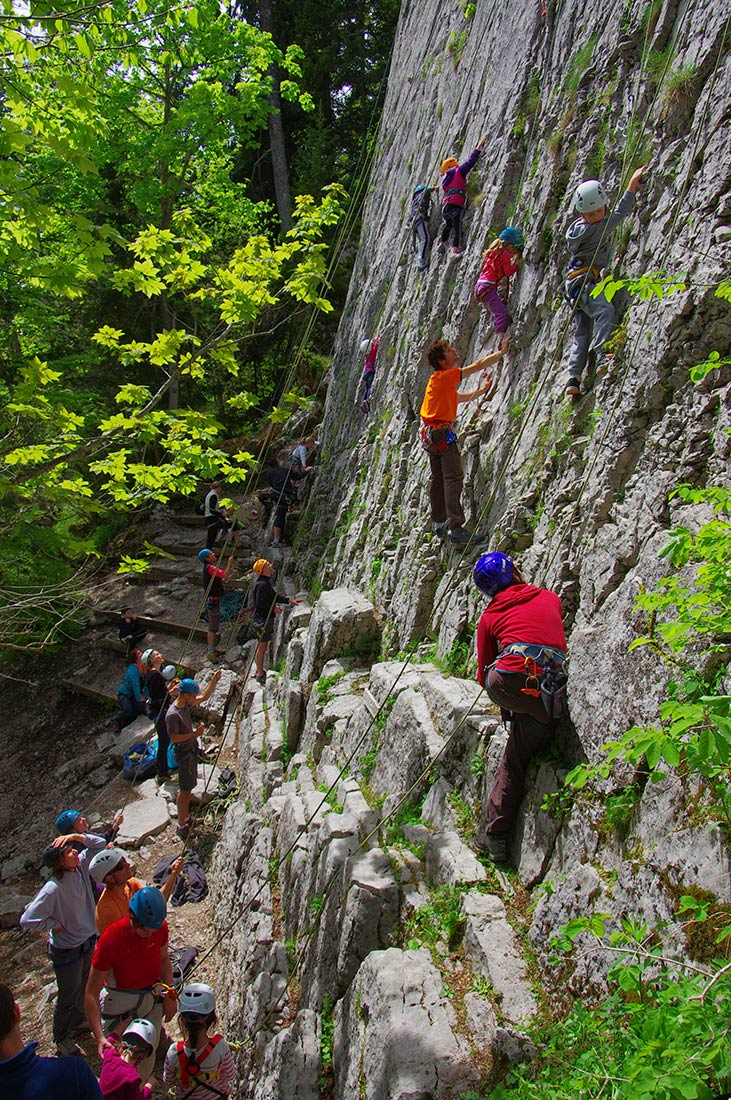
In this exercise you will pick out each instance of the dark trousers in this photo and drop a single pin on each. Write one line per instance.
(214, 524)
(71, 967)
(163, 742)
(445, 490)
(530, 729)
(452, 216)
(129, 709)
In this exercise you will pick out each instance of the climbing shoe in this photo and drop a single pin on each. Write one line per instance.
(454, 254)
(573, 389)
(604, 364)
(493, 847)
(460, 536)
(261, 679)
(440, 529)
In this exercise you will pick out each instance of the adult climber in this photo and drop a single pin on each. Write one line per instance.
(64, 908)
(281, 485)
(439, 437)
(419, 216)
(454, 199)
(112, 870)
(213, 578)
(131, 964)
(267, 603)
(521, 654)
(184, 737)
(25, 1075)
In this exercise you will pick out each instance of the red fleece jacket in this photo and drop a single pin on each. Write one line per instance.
(520, 613)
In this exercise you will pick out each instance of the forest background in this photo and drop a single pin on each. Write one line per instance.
(174, 178)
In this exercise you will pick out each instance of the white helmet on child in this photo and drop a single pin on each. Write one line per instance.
(197, 998)
(104, 863)
(143, 1030)
(364, 345)
(589, 196)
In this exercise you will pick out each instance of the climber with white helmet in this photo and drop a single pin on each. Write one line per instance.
(589, 241)
(200, 1065)
(369, 348)
(112, 870)
(521, 654)
(501, 259)
(454, 199)
(120, 1075)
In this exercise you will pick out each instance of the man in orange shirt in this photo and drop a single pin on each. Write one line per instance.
(111, 870)
(438, 416)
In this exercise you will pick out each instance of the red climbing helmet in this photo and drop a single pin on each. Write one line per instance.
(493, 572)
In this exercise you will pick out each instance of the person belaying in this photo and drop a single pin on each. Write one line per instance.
(120, 1077)
(131, 965)
(131, 698)
(521, 654)
(454, 186)
(216, 518)
(419, 217)
(156, 689)
(281, 486)
(184, 737)
(64, 908)
(589, 241)
(200, 1065)
(74, 821)
(369, 348)
(25, 1075)
(439, 438)
(501, 259)
(266, 602)
(111, 869)
(213, 578)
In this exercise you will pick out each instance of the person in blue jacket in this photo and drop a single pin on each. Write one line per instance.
(25, 1075)
(130, 693)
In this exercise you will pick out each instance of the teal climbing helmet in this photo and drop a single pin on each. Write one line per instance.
(512, 235)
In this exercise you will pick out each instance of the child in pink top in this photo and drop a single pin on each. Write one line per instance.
(120, 1079)
(500, 261)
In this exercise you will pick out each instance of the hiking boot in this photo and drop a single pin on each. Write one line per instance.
(440, 529)
(494, 847)
(460, 536)
(573, 389)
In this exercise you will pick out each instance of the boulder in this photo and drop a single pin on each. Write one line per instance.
(343, 621)
(12, 905)
(145, 815)
(449, 860)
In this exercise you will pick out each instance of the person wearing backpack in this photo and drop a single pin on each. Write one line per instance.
(200, 1066)
(454, 186)
(520, 636)
(419, 217)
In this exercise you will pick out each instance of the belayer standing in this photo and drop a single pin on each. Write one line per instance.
(521, 653)
(419, 216)
(589, 241)
(500, 260)
(369, 348)
(454, 186)
(439, 438)
(266, 602)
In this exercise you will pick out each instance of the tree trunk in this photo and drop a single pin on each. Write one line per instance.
(280, 167)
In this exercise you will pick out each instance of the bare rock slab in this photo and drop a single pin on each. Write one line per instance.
(343, 621)
(117, 744)
(144, 817)
(214, 709)
(288, 1066)
(492, 947)
(450, 861)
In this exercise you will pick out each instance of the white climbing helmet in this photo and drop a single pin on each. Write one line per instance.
(169, 673)
(364, 345)
(143, 1030)
(589, 196)
(104, 863)
(197, 998)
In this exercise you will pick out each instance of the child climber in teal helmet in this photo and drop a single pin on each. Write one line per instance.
(501, 259)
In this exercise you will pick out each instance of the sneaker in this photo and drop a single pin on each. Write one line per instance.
(441, 246)
(494, 847)
(276, 542)
(460, 536)
(261, 679)
(573, 388)
(603, 366)
(183, 831)
(440, 529)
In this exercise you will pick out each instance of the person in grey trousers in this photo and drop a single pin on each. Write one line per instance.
(589, 241)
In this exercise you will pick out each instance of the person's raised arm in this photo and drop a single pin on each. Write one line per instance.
(480, 364)
(208, 692)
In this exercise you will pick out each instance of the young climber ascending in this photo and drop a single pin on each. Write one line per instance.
(500, 260)
(589, 241)
(439, 440)
(454, 186)
(419, 216)
(370, 349)
(520, 635)
(201, 1065)
(213, 578)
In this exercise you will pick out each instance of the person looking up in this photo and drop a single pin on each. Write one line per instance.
(266, 605)
(185, 742)
(213, 578)
(454, 199)
(112, 870)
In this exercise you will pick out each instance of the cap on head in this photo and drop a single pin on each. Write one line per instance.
(259, 564)
(140, 1030)
(65, 821)
(148, 907)
(198, 999)
(203, 554)
(104, 863)
(450, 162)
(512, 235)
(51, 855)
(493, 572)
(590, 196)
(188, 687)
(169, 673)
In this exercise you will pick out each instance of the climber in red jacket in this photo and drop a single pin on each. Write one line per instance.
(521, 653)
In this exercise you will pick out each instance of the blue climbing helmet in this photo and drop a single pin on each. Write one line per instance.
(203, 554)
(148, 906)
(493, 572)
(512, 235)
(65, 822)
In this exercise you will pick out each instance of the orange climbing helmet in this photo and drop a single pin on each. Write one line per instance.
(450, 162)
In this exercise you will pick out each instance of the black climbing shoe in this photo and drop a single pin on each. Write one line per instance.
(492, 847)
(460, 536)
(440, 529)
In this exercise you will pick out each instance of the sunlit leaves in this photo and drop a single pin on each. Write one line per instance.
(654, 285)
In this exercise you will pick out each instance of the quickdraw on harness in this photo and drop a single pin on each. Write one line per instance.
(435, 440)
(546, 676)
(591, 275)
(189, 1066)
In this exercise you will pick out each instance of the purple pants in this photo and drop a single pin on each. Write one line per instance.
(487, 294)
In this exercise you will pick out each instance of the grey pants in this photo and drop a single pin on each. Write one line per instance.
(594, 321)
(420, 236)
(71, 967)
(445, 490)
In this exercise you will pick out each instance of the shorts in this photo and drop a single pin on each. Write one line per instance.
(187, 768)
(214, 616)
(265, 630)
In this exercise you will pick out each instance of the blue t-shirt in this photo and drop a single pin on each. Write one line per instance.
(30, 1077)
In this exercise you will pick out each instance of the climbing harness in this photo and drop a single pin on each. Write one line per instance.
(546, 676)
(435, 440)
(190, 1066)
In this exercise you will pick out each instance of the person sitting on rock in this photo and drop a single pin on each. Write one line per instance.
(131, 630)
(213, 578)
(131, 964)
(185, 742)
(454, 186)
(281, 485)
(120, 1077)
(589, 241)
(112, 870)
(130, 693)
(24, 1075)
(200, 1065)
(439, 438)
(64, 908)
(266, 602)
(519, 635)
(500, 261)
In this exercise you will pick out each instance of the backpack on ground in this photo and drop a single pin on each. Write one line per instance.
(139, 763)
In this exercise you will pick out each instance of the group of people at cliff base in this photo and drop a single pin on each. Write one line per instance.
(108, 946)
